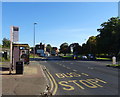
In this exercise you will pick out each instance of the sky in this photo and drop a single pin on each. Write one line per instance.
(57, 22)
(59, 0)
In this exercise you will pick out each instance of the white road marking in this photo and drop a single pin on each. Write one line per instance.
(90, 68)
(64, 66)
(74, 70)
(68, 67)
(60, 64)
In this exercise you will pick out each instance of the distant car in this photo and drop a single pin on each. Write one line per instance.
(84, 57)
(42, 55)
(91, 56)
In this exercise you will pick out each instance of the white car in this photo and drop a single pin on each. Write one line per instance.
(84, 57)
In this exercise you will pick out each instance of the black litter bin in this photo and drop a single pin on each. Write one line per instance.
(19, 67)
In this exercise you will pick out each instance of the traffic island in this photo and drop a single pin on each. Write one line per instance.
(113, 65)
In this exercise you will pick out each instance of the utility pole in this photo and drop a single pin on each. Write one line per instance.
(10, 68)
(34, 42)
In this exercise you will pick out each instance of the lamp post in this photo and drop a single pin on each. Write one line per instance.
(34, 41)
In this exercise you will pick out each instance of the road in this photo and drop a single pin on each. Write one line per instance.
(83, 77)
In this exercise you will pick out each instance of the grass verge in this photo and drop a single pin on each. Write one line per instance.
(103, 58)
(113, 65)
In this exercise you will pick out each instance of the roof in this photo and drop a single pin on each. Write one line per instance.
(21, 45)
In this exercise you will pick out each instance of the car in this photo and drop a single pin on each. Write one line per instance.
(91, 56)
(84, 57)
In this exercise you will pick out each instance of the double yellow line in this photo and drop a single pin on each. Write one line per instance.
(52, 80)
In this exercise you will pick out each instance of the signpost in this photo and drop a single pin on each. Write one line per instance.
(13, 38)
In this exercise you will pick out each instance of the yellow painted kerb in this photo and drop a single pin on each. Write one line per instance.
(56, 85)
(50, 81)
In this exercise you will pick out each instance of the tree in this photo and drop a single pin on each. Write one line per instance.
(64, 48)
(0, 46)
(108, 41)
(48, 48)
(85, 49)
(92, 45)
(76, 48)
(5, 43)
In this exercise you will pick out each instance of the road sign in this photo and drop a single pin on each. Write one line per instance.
(14, 35)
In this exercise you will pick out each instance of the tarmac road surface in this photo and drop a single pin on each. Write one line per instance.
(83, 77)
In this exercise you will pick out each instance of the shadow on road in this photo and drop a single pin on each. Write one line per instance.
(62, 59)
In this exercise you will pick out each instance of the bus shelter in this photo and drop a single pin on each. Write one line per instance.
(20, 53)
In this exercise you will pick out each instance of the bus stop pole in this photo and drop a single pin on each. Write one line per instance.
(10, 68)
(11, 52)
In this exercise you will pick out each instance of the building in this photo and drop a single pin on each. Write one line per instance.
(40, 49)
(54, 51)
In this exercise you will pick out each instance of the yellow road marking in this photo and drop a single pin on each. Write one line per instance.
(100, 80)
(94, 82)
(90, 83)
(56, 85)
(85, 74)
(66, 75)
(65, 83)
(74, 81)
(60, 75)
(75, 74)
(50, 82)
(83, 82)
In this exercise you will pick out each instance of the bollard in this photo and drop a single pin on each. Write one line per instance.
(114, 60)
(74, 57)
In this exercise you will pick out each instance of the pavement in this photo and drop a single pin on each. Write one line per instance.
(31, 82)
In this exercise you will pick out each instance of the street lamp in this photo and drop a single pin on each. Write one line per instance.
(34, 41)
